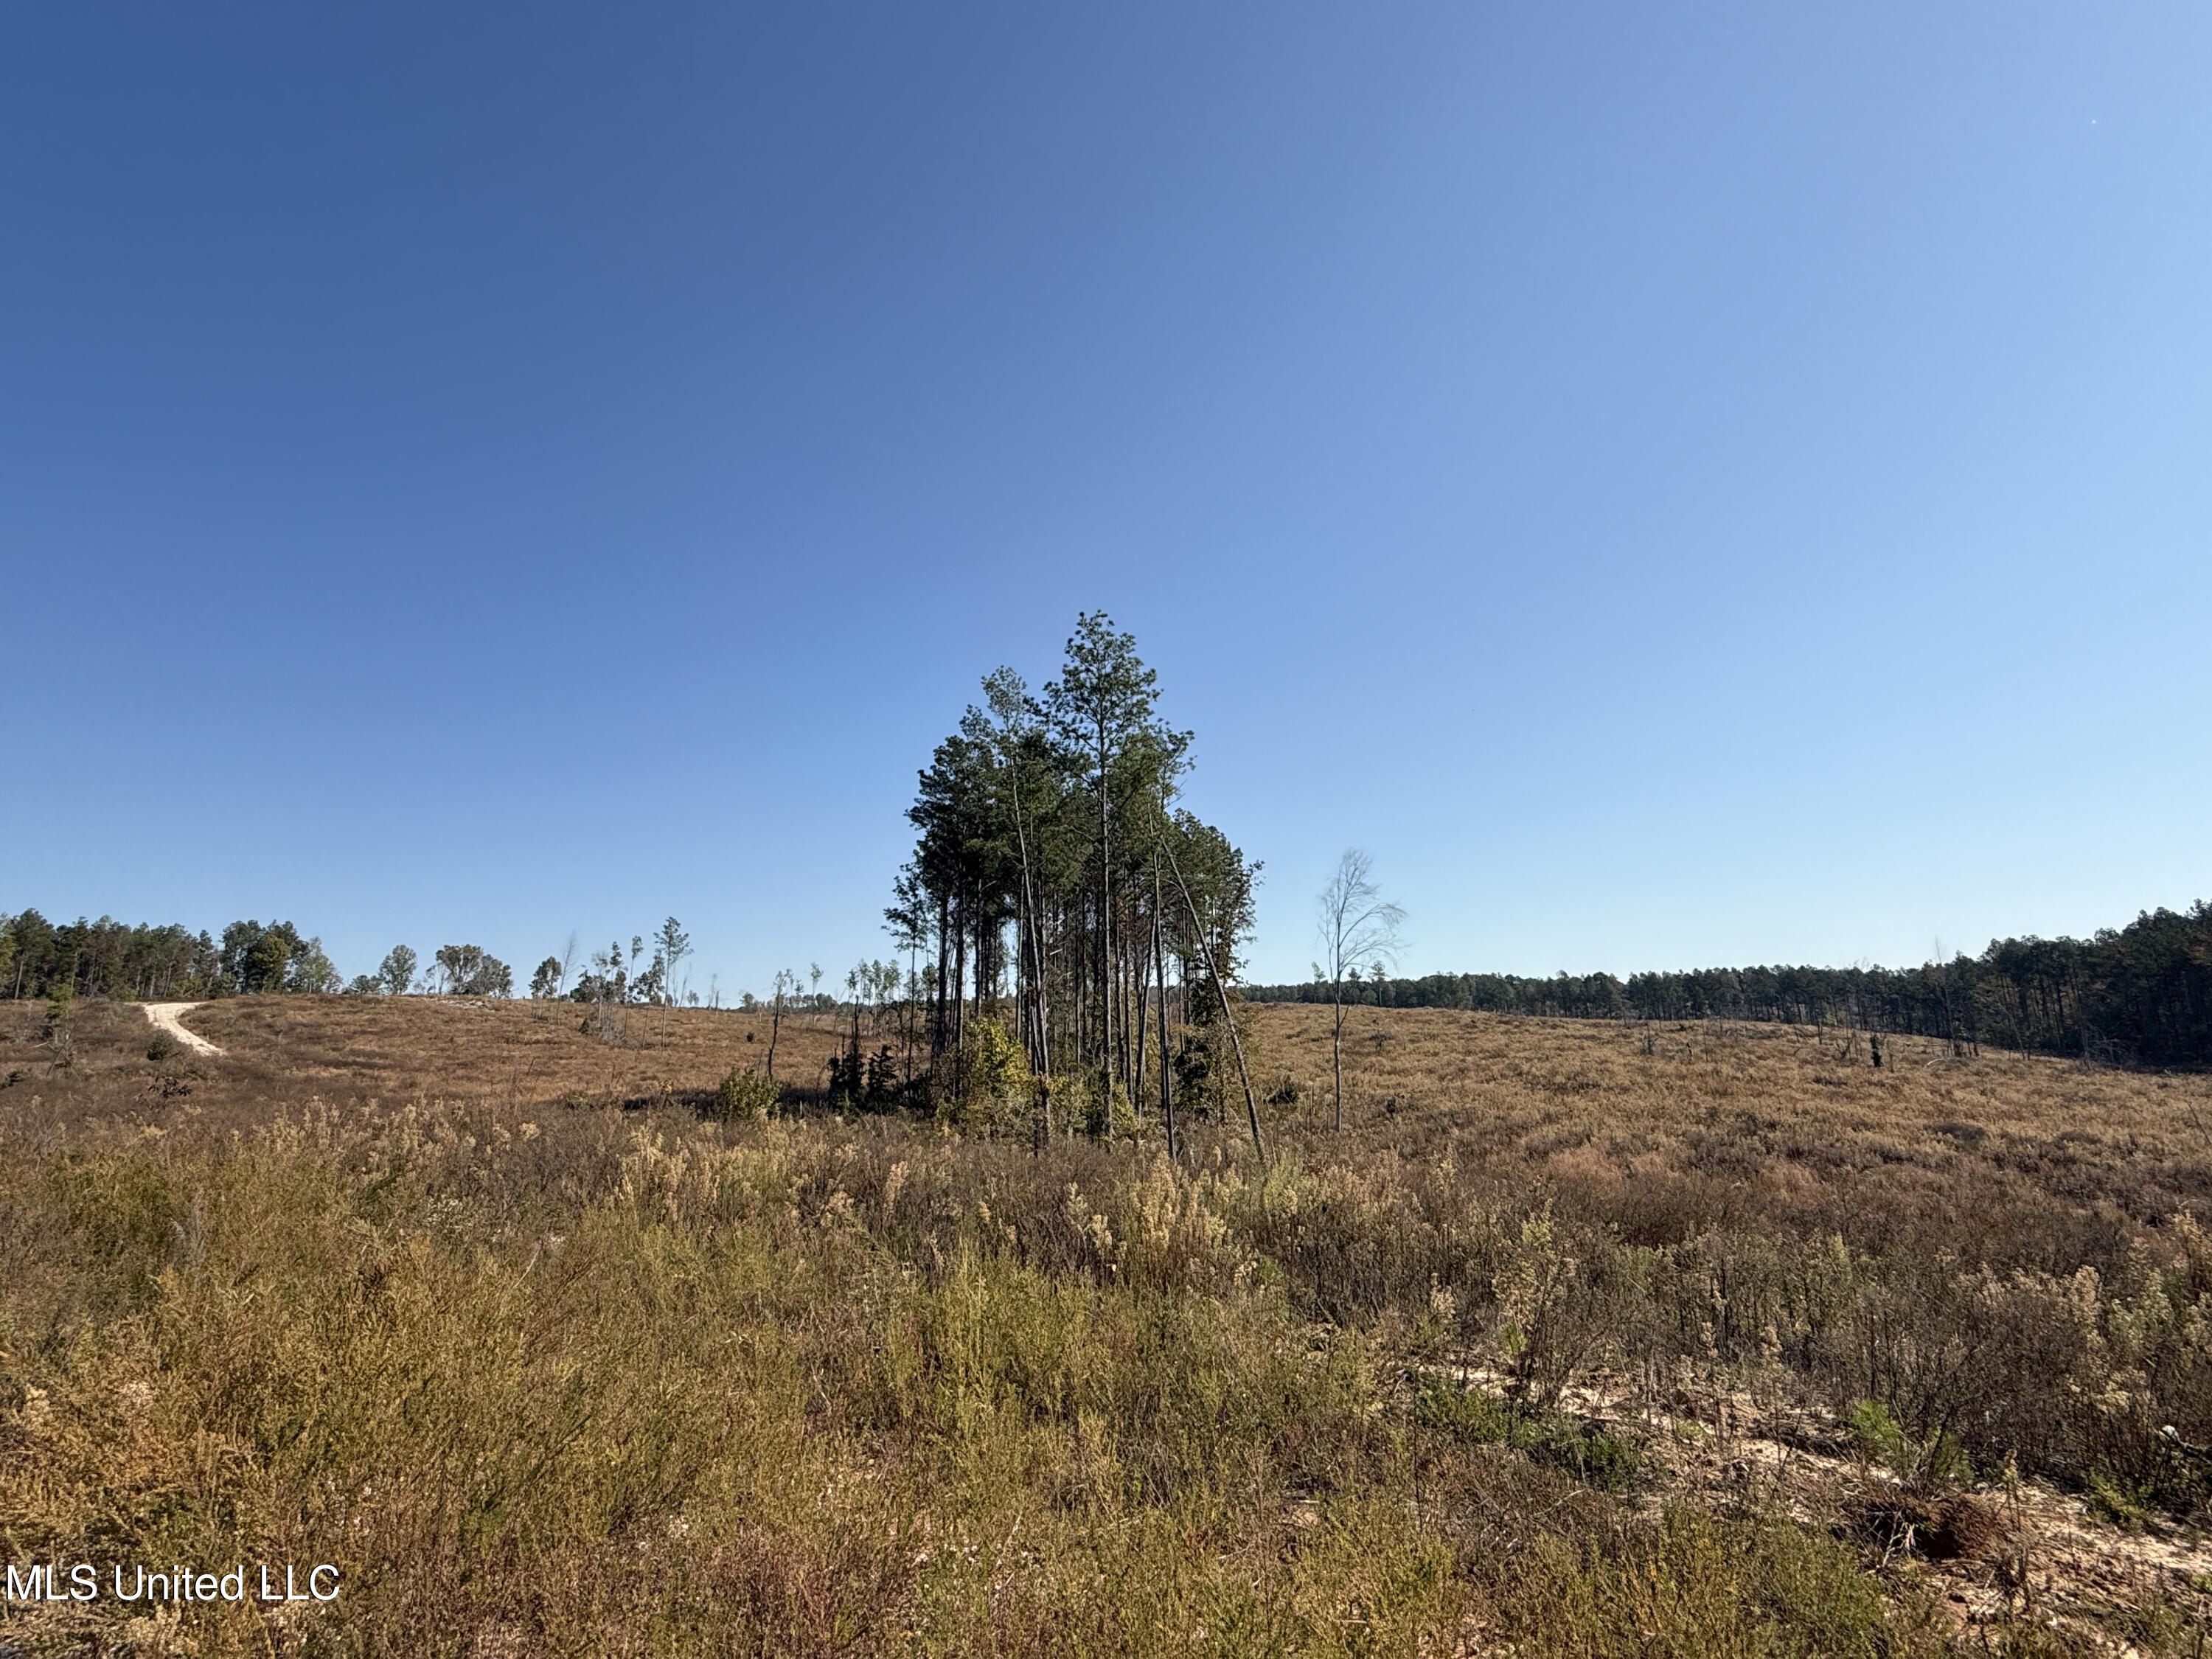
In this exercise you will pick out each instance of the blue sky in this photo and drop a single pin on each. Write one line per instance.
(1680, 484)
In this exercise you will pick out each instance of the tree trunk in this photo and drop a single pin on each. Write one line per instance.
(1221, 996)
(1105, 924)
(1140, 984)
(959, 988)
(937, 1022)
(1160, 972)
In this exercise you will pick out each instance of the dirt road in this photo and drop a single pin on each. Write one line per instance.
(169, 1017)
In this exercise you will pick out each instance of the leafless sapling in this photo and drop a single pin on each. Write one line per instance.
(1359, 934)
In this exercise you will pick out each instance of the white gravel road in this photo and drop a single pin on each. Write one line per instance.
(170, 1018)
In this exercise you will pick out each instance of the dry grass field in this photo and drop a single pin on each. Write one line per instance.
(1580, 1338)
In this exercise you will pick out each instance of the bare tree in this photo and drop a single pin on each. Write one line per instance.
(567, 962)
(786, 983)
(1358, 934)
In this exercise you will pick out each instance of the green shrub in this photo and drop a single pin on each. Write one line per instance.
(1587, 1451)
(1879, 1438)
(992, 1081)
(1875, 1433)
(1107, 1112)
(742, 1097)
(2114, 1500)
(1688, 1586)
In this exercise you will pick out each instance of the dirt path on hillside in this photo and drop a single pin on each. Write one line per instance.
(170, 1017)
(2016, 1551)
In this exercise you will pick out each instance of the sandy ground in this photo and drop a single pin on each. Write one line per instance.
(170, 1018)
(2039, 1553)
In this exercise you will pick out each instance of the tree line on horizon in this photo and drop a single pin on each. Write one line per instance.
(139, 962)
(2140, 994)
(143, 962)
(1059, 891)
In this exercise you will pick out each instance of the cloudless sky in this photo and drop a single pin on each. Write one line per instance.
(1681, 485)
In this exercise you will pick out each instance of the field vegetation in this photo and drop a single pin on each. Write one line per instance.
(1580, 1338)
(2140, 994)
(1042, 1295)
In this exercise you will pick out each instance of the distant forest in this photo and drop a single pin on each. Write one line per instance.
(2139, 995)
(136, 961)
(110, 959)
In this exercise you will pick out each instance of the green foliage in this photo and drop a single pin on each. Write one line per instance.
(1879, 1438)
(1104, 1110)
(396, 973)
(104, 959)
(863, 1082)
(60, 1037)
(1197, 1078)
(742, 1097)
(991, 1086)
(1048, 838)
(470, 970)
(1875, 1432)
(310, 971)
(671, 946)
(255, 958)
(1204, 1058)
(2114, 1500)
(1587, 1451)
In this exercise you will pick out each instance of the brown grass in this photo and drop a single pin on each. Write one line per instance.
(1767, 1104)
(478, 1305)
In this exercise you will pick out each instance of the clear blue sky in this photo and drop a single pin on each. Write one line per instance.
(1681, 485)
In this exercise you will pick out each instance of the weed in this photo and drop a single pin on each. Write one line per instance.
(2113, 1500)
(1587, 1451)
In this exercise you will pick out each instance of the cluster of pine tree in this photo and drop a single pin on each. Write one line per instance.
(141, 964)
(1059, 891)
(2140, 994)
(110, 958)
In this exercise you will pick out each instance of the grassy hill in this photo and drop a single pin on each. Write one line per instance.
(1580, 1338)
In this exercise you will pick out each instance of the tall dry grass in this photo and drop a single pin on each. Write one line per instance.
(405, 1287)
